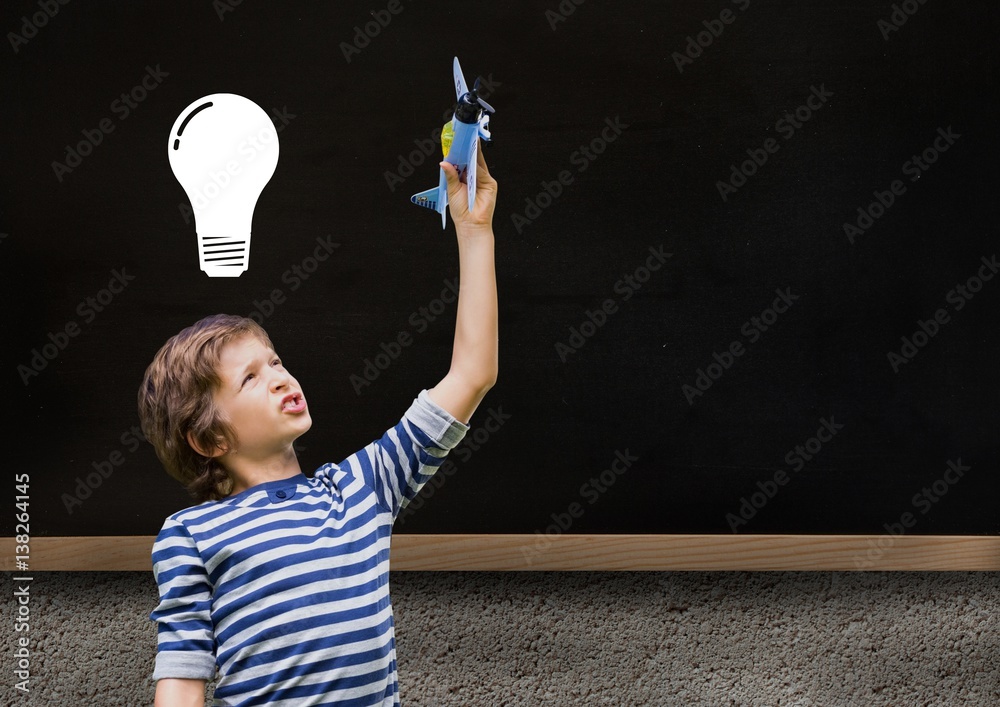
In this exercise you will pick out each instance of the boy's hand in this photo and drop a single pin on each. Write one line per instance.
(481, 217)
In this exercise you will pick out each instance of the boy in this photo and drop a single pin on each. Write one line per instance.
(276, 580)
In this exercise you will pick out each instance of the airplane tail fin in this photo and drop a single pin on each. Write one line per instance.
(428, 199)
(435, 198)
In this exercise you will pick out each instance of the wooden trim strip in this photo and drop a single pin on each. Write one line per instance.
(567, 552)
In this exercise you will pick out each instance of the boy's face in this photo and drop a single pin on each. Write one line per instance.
(263, 401)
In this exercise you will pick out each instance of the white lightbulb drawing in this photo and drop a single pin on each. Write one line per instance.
(223, 150)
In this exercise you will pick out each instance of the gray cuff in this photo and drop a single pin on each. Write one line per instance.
(436, 422)
(184, 664)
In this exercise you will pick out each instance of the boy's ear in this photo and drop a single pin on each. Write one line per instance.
(217, 451)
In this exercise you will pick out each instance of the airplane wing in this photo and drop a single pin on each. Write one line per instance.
(460, 88)
(470, 173)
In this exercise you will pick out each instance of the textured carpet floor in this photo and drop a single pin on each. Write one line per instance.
(607, 638)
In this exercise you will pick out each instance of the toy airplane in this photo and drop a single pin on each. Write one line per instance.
(460, 144)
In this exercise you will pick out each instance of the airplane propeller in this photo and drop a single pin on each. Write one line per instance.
(474, 98)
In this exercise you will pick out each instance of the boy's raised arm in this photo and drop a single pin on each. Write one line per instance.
(410, 452)
(474, 362)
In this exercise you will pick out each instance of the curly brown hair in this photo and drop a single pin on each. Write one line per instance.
(176, 399)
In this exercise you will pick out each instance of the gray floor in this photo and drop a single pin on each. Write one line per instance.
(608, 638)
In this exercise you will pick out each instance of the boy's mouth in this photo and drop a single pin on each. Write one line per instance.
(293, 403)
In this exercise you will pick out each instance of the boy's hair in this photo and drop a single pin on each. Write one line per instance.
(176, 397)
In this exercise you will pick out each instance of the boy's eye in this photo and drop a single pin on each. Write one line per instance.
(275, 362)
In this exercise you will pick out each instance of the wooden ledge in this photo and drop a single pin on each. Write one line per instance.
(567, 552)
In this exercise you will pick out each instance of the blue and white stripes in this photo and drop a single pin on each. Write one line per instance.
(285, 586)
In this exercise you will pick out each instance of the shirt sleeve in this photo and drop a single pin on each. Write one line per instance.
(185, 633)
(399, 463)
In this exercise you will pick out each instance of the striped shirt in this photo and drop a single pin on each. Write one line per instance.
(284, 587)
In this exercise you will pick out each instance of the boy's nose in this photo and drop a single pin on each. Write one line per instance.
(280, 381)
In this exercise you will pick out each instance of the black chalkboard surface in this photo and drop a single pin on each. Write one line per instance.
(746, 253)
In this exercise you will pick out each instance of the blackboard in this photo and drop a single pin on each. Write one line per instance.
(717, 223)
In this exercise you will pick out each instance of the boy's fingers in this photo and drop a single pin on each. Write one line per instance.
(451, 174)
